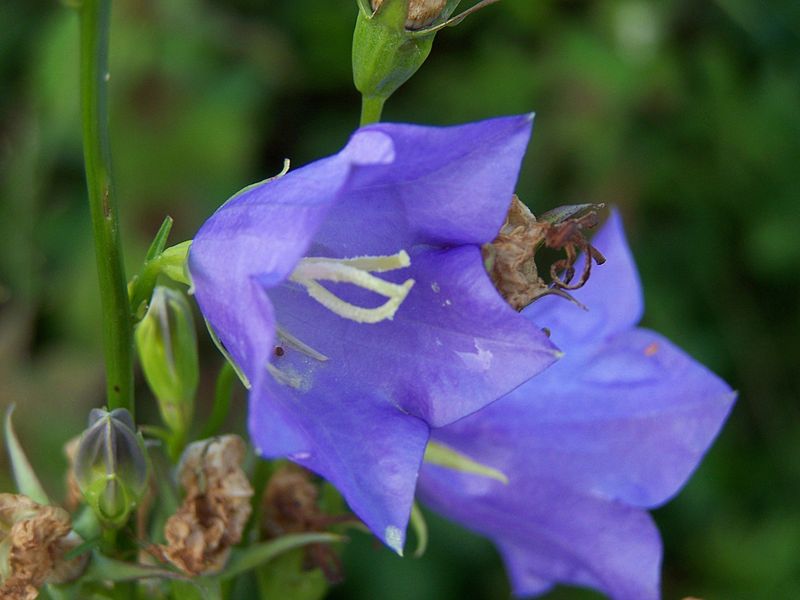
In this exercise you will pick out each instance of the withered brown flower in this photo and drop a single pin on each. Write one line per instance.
(216, 507)
(74, 494)
(33, 540)
(291, 505)
(511, 257)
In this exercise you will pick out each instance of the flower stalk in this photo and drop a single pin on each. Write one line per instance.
(115, 307)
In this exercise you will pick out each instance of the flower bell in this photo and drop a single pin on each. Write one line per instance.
(615, 427)
(111, 465)
(352, 295)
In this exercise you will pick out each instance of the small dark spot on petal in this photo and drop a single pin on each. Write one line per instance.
(279, 351)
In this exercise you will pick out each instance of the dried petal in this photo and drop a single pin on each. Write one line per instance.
(74, 494)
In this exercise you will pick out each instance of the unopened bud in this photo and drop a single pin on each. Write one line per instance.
(421, 13)
(111, 466)
(167, 346)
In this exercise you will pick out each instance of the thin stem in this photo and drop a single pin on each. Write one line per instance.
(116, 318)
(371, 109)
(222, 401)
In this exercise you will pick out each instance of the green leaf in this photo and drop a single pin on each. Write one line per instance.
(244, 559)
(287, 579)
(81, 549)
(24, 475)
(420, 527)
(202, 588)
(443, 456)
(160, 241)
(102, 568)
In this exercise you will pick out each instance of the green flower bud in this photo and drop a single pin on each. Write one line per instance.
(111, 465)
(385, 53)
(391, 41)
(167, 346)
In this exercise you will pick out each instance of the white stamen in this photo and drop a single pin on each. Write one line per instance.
(291, 341)
(356, 271)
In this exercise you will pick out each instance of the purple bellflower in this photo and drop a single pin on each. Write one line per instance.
(352, 295)
(614, 428)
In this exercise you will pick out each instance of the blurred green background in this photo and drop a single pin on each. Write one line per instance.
(684, 113)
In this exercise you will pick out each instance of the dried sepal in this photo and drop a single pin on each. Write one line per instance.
(421, 13)
(211, 519)
(74, 495)
(33, 541)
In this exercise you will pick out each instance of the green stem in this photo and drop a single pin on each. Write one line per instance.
(371, 109)
(116, 318)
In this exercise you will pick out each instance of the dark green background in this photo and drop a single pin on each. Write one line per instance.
(684, 113)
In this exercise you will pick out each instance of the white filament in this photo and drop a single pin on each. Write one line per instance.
(356, 271)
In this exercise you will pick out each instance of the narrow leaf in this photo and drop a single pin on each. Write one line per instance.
(102, 568)
(160, 241)
(218, 343)
(244, 559)
(24, 475)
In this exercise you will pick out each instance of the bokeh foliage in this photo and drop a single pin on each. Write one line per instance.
(683, 113)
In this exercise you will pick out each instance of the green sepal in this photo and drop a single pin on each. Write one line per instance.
(25, 477)
(420, 527)
(443, 456)
(172, 262)
(222, 350)
(160, 241)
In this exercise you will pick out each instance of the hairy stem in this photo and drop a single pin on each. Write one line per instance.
(116, 318)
